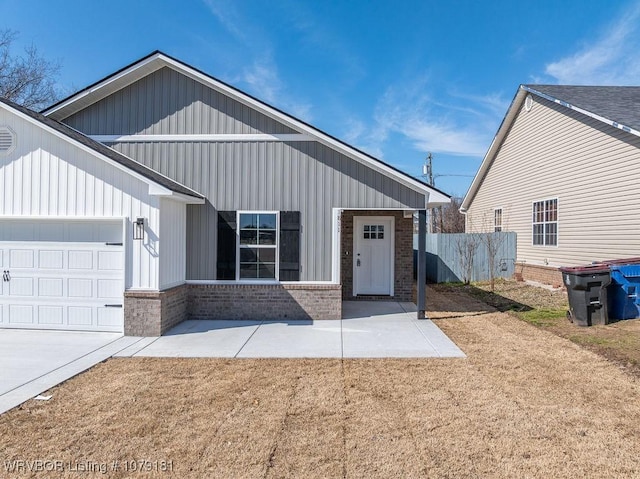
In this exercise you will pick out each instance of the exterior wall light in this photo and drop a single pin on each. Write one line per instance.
(138, 229)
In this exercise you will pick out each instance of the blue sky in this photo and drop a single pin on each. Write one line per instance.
(394, 78)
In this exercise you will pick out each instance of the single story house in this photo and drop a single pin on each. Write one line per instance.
(160, 193)
(562, 172)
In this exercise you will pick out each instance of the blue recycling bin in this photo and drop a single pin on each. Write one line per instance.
(623, 292)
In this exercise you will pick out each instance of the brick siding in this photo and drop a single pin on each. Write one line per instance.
(403, 257)
(262, 302)
(539, 273)
(152, 313)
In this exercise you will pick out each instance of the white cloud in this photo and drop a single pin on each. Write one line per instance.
(612, 59)
(261, 77)
(438, 126)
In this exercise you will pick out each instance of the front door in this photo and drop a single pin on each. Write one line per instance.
(373, 243)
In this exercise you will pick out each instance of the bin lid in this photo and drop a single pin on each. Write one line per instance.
(611, 262)
(588, 269)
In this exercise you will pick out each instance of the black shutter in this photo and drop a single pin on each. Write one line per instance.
(226, 257)
(289, 246)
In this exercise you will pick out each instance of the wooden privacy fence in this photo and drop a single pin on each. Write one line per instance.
(464, 257)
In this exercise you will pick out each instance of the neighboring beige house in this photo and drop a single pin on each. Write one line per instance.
(563, 172)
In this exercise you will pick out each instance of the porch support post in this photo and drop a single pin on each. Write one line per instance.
(422, 264)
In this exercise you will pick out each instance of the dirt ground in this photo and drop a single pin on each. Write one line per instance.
(524, 403)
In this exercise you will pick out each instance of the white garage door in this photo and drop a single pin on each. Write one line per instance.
(62, 275)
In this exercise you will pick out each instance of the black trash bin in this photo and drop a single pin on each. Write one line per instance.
(587, 291)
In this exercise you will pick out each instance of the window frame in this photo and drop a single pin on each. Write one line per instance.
(275, 247)
(497, 228)
(545, 223)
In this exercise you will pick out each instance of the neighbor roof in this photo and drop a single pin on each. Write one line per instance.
(105, 151)
(616, 103)
(617, 106)
(156, 60)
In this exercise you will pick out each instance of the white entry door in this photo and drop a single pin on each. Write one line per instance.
(373, 246)
(62, 275)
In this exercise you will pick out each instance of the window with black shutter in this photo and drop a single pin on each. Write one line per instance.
(226, 251)
(258, 245)
(289, 246)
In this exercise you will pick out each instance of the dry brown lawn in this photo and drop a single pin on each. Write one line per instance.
(524, 403)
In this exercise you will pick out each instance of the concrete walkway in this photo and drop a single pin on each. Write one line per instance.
(368, 330)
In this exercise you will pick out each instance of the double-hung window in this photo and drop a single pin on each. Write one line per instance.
(545, 222)
(497, 220)
(257, 245)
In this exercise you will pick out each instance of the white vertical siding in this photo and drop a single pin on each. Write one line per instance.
(173, 231)
(591, 168)
(47, 176)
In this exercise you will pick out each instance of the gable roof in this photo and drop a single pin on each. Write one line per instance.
(163, 186)
(156, 60)
(616, 106)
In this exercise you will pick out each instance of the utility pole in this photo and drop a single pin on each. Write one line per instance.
(427, 173)
(427, 169)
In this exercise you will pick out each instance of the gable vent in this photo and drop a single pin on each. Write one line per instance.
(7, 140)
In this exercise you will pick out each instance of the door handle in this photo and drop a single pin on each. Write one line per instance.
(6, 276)
(358, 262)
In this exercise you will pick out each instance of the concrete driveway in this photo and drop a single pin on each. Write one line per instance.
(33, 361)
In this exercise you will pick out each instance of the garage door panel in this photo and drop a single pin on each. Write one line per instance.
(52, 287)
(51, 315)
(80, 316)
(82, 232)
(49, 231)
(21, 286)
(51, 259)
(63, 274)
(109, 288)
(80, 259)
(80, 288)
(109, 317)
(109, 260)
(21, 258)
(20, 314)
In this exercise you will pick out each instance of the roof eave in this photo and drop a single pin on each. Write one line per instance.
(496, 143)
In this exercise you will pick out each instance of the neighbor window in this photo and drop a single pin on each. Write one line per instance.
(545, 222)
(257, 245)
(497, 220)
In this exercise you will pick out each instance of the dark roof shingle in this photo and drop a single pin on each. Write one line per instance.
(616, 103)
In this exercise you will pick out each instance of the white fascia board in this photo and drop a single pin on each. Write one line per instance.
(200, 137)
(158, 190)
(51, 111)
(493, 148)
(154, 188)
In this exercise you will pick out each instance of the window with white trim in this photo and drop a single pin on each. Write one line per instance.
(545, 222)
(257, 245)
(497, 220)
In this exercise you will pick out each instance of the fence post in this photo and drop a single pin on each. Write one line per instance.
(422, 264)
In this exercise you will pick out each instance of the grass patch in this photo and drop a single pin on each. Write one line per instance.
(542, 317)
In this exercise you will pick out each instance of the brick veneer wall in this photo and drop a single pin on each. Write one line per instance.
(268, 301)
(541, 274)
(152, 313)
(403, 281)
